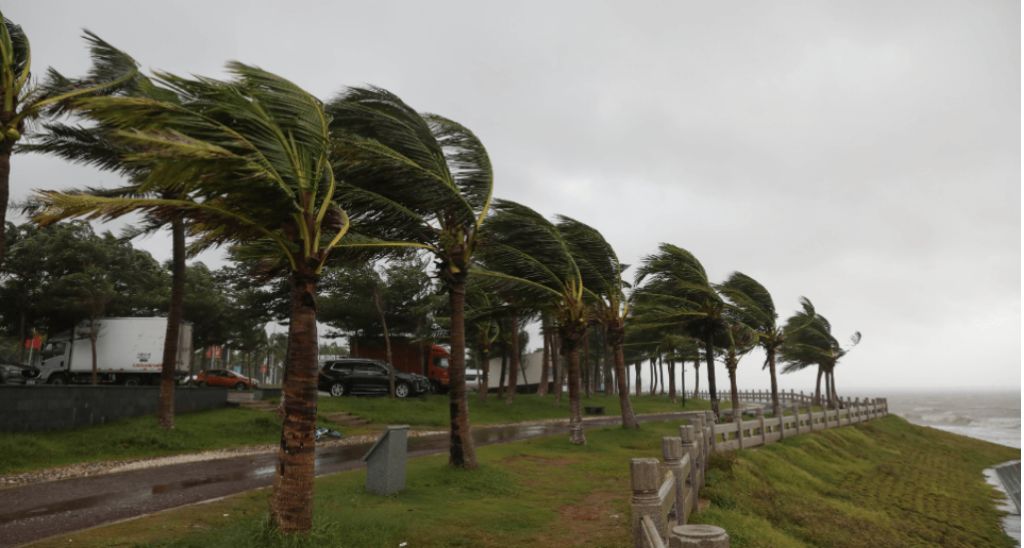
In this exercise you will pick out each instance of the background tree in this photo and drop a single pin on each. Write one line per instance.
(812, 343)
(23, 101)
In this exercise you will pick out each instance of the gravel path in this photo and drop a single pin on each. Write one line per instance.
(117, 466)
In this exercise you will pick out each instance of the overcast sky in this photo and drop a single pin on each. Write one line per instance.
(863, 154)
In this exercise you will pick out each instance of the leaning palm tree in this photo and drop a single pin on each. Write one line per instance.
(256, 151)
(426, 181)
(812, 344)
(24, 102)
(527, 253)
(757, 310)
(601, 273)
(678, 293)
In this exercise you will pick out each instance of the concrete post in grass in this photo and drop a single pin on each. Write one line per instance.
(760, 421)
(691, 447)
(738, 419)
(672, 454)
(645, 479)
(700, 438)
(385, 462)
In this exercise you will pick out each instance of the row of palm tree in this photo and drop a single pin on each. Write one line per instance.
(294, 185)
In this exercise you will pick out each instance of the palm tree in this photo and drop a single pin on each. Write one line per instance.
(679, 294)
(527, 253)
(257, 152)
(601, 273)
(426, 181)
(757, 309)
(812, 343)
(24, 102)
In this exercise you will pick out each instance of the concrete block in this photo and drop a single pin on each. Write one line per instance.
(385, 461)
(698, 536)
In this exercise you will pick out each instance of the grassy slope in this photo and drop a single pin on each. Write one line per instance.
(884, 483)
(837, 488)
(433, 411)
(232, 427)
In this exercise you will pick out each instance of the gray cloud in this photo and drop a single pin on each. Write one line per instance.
(866, 155)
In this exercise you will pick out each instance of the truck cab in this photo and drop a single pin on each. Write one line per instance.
(56, 359)
(440, 380)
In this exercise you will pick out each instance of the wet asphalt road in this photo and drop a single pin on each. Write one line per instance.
(43, 510)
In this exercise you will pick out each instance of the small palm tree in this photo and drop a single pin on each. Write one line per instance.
(812, 343)
(425, 181)
(257, 151)
(601, 273)
(526, 253)
(678, 294)
(23, 102)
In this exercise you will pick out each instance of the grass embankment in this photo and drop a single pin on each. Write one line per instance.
(887, 483)
(433, 411)
(232, 427)
(139, 437)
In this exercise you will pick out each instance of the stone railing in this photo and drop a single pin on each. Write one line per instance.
(791, 397)
(665, 493)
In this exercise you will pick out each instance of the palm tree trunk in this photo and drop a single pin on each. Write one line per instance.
(817, 388)
(776, 408)
(835, 395)
(587, 370)
(671, 380)
(556, 362)
(291, 505)
(461, 452)
(709, 359)
(628, 419)
(654, 376)
(513, 366)
(682, 380)
(661, 374)
(504, 369)
(696, 375)
(379, 302)
(6, 147)
(575, 412)
(732, 383)
(485, 367)
(637, 366)
(545, 371)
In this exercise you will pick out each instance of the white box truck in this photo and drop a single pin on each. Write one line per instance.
(129, 351)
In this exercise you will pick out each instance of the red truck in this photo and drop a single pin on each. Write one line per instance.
(409, 357)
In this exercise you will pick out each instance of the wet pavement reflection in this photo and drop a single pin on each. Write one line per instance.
(38, 511)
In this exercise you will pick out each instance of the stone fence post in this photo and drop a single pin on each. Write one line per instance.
(698, 536)
(645, 479)
(689, 445)
(760, 420)
(738, 420)
(672, 453)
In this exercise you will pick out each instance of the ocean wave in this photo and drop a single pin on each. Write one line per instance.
(958, 419)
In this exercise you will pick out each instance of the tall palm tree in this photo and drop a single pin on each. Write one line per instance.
(24, 102)
(527, 253)
(257, 151)
(679, 294)
(757, 310)
(812, 344)
(426, 181)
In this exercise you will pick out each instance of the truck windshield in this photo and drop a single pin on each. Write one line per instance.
(442, 363)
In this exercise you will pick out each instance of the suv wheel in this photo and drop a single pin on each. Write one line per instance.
(402, 390)
(337, 389)
(239, 386)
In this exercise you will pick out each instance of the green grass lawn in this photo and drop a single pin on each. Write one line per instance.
(433, 411)
(139, 437)
(886, 483)
(232, 427)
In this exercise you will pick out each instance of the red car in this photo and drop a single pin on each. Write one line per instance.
(226, 378)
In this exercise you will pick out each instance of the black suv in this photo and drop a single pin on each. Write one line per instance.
(354, 376)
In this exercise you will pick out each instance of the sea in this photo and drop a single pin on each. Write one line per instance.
(993, 417)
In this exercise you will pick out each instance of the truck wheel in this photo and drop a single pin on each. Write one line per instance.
(57, 380)
(337, 389)
(240, 386)
(132, 381)
(402, 390)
